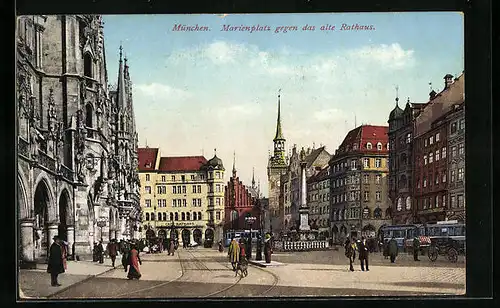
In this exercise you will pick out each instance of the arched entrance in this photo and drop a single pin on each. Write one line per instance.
(209, 235)
(369, 231)
(150, 234)
(64, 213)
(197, 236)
(185, 236)
(41, 204)
(174, 234)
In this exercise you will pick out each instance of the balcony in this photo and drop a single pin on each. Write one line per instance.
(46, 161)
(66, 173)
(23, 147)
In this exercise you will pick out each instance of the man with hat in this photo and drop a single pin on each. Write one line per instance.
(56, 265)
(112, 249)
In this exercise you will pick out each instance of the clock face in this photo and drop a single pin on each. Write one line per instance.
(278, 183)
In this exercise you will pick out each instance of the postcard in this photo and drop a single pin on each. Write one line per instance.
(240, 155)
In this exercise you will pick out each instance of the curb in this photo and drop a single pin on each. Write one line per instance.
(256, 263)
(78, 283)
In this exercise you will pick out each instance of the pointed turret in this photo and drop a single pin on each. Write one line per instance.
(279, 133)
(121, 90)
(253, 178)
(234, 165)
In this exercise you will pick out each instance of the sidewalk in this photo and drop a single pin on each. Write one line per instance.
(35, 283)
(263, 263)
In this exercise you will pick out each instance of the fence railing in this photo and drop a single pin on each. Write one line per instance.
(301, 245)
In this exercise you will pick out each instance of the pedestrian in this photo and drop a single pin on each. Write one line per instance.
(100, 252)
(350, 252)
(64, 247)
(385, 249)
(221, 247)
(134, 261)
(95, 257)
(416, 248)
(363, 253)
(267, 248)
(171, 247)
(242, 245)
(125, 252)
(56, 265)
(234, 253)
(393, 249)
(112, 251)
(249, 247)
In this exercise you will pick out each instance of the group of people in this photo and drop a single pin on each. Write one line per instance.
(58, 255)
(237, 253)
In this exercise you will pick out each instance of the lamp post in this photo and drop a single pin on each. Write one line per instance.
(101, 223)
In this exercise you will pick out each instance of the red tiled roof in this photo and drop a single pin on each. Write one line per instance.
(182, 163)
(147, 158)
(364, 134)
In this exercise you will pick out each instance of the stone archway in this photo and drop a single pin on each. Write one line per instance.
(186, 234)
(65, 214)
(26, 234)
(42, 202)
(197, 236)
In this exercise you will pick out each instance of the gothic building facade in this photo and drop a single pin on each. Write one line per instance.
(71, 174)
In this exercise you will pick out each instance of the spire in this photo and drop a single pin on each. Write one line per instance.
(234, 164)
(397, 96)
(253, 177)
(121, 83)
(279, 133)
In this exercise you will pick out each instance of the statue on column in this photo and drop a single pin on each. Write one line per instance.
(34, 141)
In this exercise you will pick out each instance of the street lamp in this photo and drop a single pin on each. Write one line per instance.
(101, 223)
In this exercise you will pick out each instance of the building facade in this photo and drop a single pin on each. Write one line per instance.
(242, 207)
(431, 151)
(276, 167)
(70, 177)
(401, 126)
(456, 163)
(359, 189)
(319, 202)
(181, 197)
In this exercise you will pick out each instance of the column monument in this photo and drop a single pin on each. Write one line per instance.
(304, 228)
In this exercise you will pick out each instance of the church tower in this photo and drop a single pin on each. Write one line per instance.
(275, 168)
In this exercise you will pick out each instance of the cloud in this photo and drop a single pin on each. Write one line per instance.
(240, 110)
(162, 91)
(329, 115)
(221, 52)
(392, 56)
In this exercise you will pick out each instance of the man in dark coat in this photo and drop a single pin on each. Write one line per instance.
(393, 249)
(56, 265)
(267, 248)
(350, 252)
(363, 253)
(113, 251)
(100, 250)
(416, 248)
(249, 247)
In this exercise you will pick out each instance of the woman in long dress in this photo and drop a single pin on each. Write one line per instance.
(134, 261)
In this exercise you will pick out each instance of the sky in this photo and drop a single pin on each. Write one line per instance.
(199, 91)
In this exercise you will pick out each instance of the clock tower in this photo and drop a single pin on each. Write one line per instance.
(276, 167)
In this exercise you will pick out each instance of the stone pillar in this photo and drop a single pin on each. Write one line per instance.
(303, 210)
(27, 245)
(53, 230)
(118, 234)
(191, 238)
(71, 240)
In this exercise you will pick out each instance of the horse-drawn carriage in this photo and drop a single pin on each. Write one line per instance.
(446, 246)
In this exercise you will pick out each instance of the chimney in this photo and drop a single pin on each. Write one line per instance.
(448, 80)
(432, 95)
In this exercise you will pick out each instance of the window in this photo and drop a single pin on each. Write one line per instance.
(163, 178)
(418, 183)
(184, 189)
(179, 189)
(460, 199)
(148, 202)
(188, 216)
(379, 146)
(443, 152)
(460, 174)
(202, 177)
(437, 155)
(192, 177)
(461, 149)
(369, 146)
(378, 195)
(443, 179)
(378, 163)
(453, 151)
(147, 216)
(184, 202)
(437, 137)
(400, 205)
(453, 176)
(436, 202)
(217, 201)
(194, 202)
(159, 203)
(183, 216)
(174, 189)
(353, 164)
(147, 177)
(453, 127)
(199, 189)
(425, 142)
(147, 189)
(431, 158)
(194, 189)
(355, 146)
(366, 162)
(387, 146)
(366, 178)
(378, 178)
(87, 65)
(366, 195)
(431, 140)
(159, 216)
(217, 175)
(461, 124)
(174, 203)
(453, 202)
(425, 159)
(162, 189)
(199, 216)
(183, 178)
(173, 178)
(408, 138)
(176, 216)
(425, 182)
(425, 203)
(437, 179)
(217, 188)
(443, 199)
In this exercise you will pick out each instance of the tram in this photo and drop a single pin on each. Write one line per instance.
(237, 234)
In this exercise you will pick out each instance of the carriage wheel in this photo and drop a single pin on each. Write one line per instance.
(453, 255)
(432, 253)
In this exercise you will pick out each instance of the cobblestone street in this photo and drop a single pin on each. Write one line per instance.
(199, 272)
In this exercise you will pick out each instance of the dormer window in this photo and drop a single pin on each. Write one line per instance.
(369, 146)
(387, 146)
(379, 146)
(87, 65)
(355, 146)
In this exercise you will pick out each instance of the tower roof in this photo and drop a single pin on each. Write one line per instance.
(279, 133)
(121, 84)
